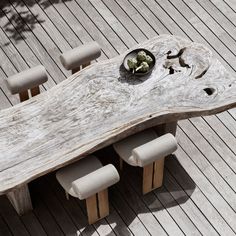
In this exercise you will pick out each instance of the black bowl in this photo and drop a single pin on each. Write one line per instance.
(133, 54)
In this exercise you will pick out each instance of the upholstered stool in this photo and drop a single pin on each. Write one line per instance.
(80, 56)
(28, 79)
(88, 179)
(147, 150)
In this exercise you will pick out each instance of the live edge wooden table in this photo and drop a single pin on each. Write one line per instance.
(103, 104)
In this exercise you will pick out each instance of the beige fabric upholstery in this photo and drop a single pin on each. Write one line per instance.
(80, 55)
(27, 79)
(155, 150)
(87, 177)
(95, 181)
(145, 147)
(125, 146)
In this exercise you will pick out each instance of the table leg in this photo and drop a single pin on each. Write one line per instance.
(166, 128)
(20, 199)
(75, 70)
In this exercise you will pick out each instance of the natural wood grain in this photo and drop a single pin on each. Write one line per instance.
(92, 210)
(50, 130)
(97, 206)
(103, 203)
(12, 219)
(158, 173)
(226, 215)
(33, 225)
(152, 18)
(35, 91)
(147, 178)
(75, 70)
(86, 64)
(24, 95)
(20, 199)
(4, 229)
(153, 175)
(135, 224)
(72, 207)
(166, 128)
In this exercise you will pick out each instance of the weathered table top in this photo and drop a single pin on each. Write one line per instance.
(103, 103)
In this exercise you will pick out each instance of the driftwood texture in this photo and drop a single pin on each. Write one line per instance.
(103, 103)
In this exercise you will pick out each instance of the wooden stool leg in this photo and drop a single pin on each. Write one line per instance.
(153, 175)
(35, 91)
(103, 203)
(24, 96)
(86, 64)
(158, 173)
(92, 209)
(147, 178)
(97, 206)
(75, 70)
(20, 199)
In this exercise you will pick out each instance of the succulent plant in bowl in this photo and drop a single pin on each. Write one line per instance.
(139, 61)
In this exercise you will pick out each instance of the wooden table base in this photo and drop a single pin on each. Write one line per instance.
(20, 199)
(166, 128)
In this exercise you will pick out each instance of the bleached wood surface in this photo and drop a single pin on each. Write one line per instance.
(103, 103)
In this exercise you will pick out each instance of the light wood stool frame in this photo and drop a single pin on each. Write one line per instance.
(97, 206)
(24, 95)
(152, 175)
(77, 69)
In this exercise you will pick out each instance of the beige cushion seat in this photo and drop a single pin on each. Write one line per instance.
(88, 179)
(146, 149)
(124, 147)
(80, 179)
(80, 56)
(25, 80)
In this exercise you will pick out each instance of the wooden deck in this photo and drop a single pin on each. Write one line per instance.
(198, 196)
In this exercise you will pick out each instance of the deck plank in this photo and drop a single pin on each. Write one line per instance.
(211, 154)
(229, 122)
(4, 230)
(197, 30)
(226, 153)
(11, 218)
(125, 20)
(93, 32)
(35, 45)
(33, 225)
(152, 15)
(4, 102)
(218, 30)
(138, 19)
(197, 196)
(162, 200)
(186, 203)
(51, 49)
(227, 7)
(103, 26)
(140, 209)
(214, 10)
(47, 26)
